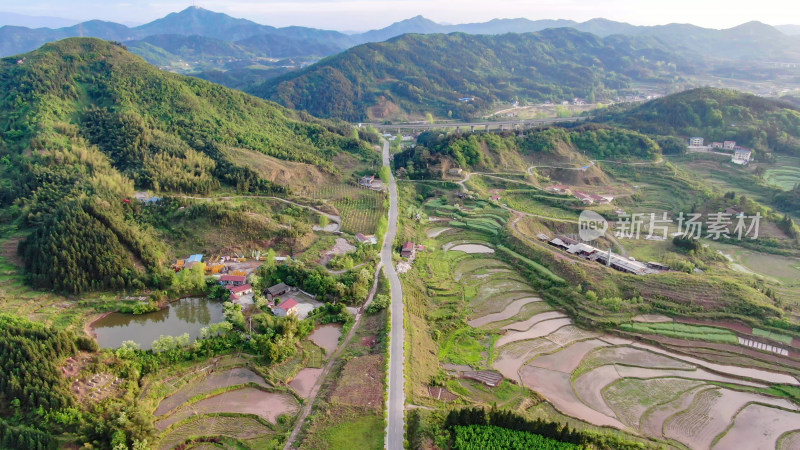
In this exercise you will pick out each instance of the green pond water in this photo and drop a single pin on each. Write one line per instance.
(187, 315)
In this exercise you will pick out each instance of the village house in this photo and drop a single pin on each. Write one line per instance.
(695, 141)
(278, 289)
(367, 180)
(716, 145)
(409, 250)
(455, 171)
(193, 261)
(559, 189)
(287, 307)
(238, 291)
(232, 280)
(729, 145)
(495, 198)
(741, 156)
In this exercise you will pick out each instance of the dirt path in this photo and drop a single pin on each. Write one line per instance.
(333, 218)
(309, 402)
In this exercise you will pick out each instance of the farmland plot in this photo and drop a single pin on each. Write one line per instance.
(510, 311)
(268, 405)
(630, 398)
(240, 427)
(214, 381)
(759, 427)
(601, 379)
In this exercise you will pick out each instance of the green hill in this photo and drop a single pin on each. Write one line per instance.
(461, 75)
(716, 114)
(83, 123)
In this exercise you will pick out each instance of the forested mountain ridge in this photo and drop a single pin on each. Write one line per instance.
(717, 115)
(459, 75)
(84, 122)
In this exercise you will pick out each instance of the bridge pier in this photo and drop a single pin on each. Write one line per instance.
(487, 127)
(472, 128)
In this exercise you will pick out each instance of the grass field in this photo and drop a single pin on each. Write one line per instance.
(360, 209)
(356, 431)
(786, 174)
(683, 331)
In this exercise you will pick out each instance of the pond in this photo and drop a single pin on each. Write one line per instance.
(327, 336)
(187, 315)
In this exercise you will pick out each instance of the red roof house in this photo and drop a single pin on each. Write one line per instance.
(286, 307)
(408, 250)
(241, 290)
(232, 280)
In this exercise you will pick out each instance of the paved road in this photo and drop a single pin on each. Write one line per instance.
(395, 428)
(490, 124)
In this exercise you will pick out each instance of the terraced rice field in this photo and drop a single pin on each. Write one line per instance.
(267, 405)
(786, 175)
(611, 381)
(207, 385)
(241, 427)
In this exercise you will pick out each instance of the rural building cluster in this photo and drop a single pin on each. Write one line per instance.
(584, 197)
(740, 155)
(605, 257)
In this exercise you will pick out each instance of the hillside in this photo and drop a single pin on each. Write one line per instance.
(431, 73)
(547, 149)
(764, 124)
(85, 123)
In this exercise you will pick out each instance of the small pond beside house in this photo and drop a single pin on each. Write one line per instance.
(187, 315)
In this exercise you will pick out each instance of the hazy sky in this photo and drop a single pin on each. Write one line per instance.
(371, 14)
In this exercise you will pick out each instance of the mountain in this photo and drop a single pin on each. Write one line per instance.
(460, 75)
(763, 124)
(23, 20)
(791, 30)
(83, 123)
(202, 22)
(196, 40)
(418, 25)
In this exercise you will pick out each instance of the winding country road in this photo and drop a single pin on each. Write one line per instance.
(395, 404)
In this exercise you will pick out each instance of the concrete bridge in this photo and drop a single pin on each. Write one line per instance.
(502, 125)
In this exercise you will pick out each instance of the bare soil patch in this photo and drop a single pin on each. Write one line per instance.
(589, 388)
(435, 232)
(361, 383)
(327, 336)
(212, 382)
(556, 387)
(527, 324)
(304, 381)
(472, 249)
(539, 330)
(440, 393)
(567, 359)
(513, 356)
(758, 427)
(268, 405)
(510, 311)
